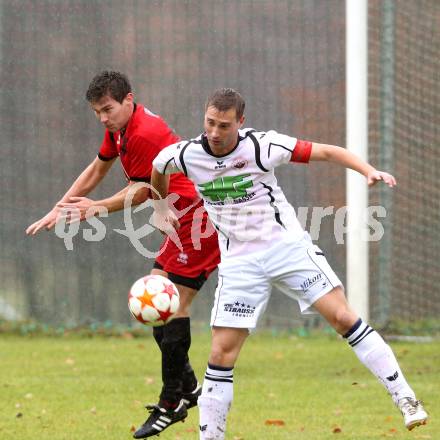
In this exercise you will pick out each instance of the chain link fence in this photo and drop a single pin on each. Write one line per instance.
(287, 58)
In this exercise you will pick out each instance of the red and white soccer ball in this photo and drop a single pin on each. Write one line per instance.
(153, 300)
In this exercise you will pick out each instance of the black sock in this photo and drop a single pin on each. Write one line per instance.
(177, 373)
(158, 336)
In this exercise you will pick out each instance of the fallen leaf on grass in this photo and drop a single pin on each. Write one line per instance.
(336, 430)
(18, 415)
(274, 422)
(133, 428)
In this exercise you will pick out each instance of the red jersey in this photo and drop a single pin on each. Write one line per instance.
(144, 137)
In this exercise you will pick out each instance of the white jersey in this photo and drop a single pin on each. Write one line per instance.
(239, 189)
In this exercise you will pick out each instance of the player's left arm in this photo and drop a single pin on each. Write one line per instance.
(341, 156)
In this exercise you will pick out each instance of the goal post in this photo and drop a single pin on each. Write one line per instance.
(357, 142)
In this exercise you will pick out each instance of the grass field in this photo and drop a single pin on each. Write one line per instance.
(286, 387)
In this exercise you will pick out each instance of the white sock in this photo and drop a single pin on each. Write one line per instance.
(215, 402)
(378, 357)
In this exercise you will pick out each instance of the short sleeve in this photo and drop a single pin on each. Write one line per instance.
(276, 148)
(108, 150)
(166, 162)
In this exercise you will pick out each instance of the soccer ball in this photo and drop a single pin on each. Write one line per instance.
(153, 300)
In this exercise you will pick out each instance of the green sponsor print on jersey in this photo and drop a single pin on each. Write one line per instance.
(228, 187)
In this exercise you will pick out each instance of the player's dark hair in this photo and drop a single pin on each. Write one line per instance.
(108, 83)
(225, 99)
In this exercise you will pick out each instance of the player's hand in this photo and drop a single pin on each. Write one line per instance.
(377, 176)
(47, 222)
(78, 209)
(166, 222)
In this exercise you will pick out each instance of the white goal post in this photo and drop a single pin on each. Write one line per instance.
(357, 142)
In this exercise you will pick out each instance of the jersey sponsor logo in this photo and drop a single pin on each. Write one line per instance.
(228, 187)
(240, 309)
(309, 282)
(235, 201)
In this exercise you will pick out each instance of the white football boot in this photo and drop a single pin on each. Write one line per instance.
(413, 412)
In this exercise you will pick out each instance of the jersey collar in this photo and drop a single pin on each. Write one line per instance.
(207, 148)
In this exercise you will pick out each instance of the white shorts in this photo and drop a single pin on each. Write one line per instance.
(298, 269)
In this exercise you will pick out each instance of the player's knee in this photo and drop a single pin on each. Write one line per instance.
(186, 298)
(222, 356)
(183, 311)
(226, 344)
(219, 357)
(343, 320)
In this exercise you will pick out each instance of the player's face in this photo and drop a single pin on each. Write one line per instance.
(112, 114)
(222, 129)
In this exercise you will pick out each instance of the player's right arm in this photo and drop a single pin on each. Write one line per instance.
(83, 185)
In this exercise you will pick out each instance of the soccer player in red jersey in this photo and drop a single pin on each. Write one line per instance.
(136, 136)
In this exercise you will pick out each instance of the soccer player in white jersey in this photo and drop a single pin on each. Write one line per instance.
(263, 245)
